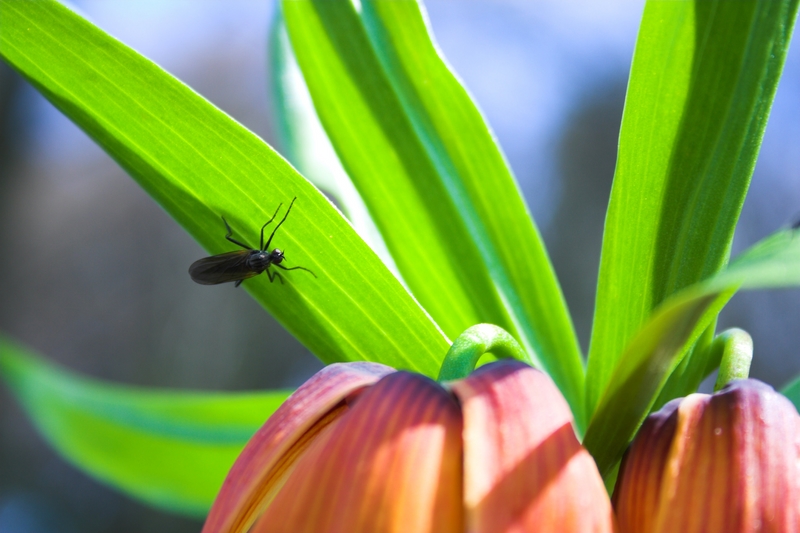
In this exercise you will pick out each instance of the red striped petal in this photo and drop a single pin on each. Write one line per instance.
(392, 464)
(274, 449)
(524, 469)
(732, 465)
(640, 469)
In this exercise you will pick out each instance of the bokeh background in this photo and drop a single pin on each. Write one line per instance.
(93, 272)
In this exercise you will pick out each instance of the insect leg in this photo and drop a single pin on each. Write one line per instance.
(261, 245)
(266, 246)
(238, 283)
(234, 241)
(296, 268)
(273, 275)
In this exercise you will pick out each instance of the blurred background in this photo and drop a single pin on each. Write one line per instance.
(93, 272)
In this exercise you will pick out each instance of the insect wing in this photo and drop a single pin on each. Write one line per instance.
(231, 266)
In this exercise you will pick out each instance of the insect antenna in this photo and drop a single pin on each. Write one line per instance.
(266, 246)
(261, 244)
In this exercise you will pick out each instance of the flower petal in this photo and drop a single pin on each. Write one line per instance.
(639, 506)
(524, 469)
(732, 464)
(285, 436)
(392, 464)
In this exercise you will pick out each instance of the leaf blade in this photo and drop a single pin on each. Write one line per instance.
(693, 122)
(199, 164)
(149, 443)
(446, 201)
(659, 345)
(304, 141)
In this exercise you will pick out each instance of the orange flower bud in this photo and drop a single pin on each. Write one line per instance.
(362, 448)
(727, 463)
(524, 469)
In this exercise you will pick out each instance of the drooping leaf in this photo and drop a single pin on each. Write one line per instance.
(199, 164)
(770, 263)
(689, 373)
(438, 187)
(642, 370)
(169, 449)
(702, 81)
(659, 345)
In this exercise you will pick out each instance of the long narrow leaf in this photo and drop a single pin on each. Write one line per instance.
(659, 345)
(693, 368)
(305, 144)
(437, 185)
(701, 86)
(643, 369)
(169, 449)
(199, 164)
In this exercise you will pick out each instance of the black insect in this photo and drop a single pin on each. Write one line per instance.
(242, 264)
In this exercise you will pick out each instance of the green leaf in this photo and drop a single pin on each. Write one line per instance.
(434, 180)
(770, 263)
(305, 144)
(702, 81)
(199, 164)
(792, 391)
(773, 262)
(693, 368)
(169, 449)
(659, 345)
(642, 370)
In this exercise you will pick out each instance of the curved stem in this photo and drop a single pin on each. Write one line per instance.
(470, 346)
(737, 353)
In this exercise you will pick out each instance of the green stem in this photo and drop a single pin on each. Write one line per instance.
(470, 346)
(737, 353)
